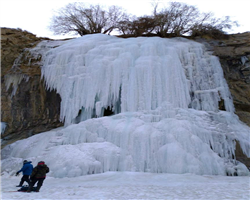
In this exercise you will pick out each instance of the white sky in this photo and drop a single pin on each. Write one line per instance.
(34, 16)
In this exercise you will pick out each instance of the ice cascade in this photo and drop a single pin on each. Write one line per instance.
(98, 71)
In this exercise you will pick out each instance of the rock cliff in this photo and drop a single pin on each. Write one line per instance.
(28, 108)
(234, 55)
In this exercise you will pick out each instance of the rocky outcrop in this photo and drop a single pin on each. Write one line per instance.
(27, 107)
(234, 55)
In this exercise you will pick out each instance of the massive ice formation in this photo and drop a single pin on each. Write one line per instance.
(166, 94)
(98, 71)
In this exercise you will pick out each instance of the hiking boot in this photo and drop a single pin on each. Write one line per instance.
(19, 186)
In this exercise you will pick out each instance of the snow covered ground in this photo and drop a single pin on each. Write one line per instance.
(134, 185)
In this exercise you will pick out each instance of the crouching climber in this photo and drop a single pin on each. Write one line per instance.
(38, 175)
(27, 170)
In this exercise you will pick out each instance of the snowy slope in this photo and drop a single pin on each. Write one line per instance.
(165, 95)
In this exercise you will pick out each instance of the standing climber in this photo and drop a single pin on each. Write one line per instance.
(38, 175)
(27, 170)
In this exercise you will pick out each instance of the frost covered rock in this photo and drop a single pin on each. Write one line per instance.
(234, 54)
(26, 107)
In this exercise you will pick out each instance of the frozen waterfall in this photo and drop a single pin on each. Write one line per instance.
(98, 71)
(165, 95)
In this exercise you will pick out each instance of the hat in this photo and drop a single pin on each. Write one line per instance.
(25, 161)
(41, 163)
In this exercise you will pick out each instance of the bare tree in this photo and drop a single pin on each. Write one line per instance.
(176, 20)
(115, 15)
(126, 27)
(209, 25)
(77, 18)
(155, 6)
(144, 25)
(181, 19)
(138, 26)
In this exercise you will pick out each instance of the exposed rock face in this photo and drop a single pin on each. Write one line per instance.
(234, 54)
(32, 109)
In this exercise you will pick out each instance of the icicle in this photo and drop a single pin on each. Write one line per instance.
(244, 59)
(3, 127)
(13, 80)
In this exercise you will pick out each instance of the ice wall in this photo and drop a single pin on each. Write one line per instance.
(96, 71)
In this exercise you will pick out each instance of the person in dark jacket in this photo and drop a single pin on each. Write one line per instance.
(27, 170)
(38, 175)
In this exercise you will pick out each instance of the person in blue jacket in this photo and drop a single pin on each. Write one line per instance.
(27, 170)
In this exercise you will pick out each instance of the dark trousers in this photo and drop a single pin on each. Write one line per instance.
(39, 183)
(25, 178)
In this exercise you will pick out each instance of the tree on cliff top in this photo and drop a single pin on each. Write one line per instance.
(78, 18)
(178, 19)
(181, 19)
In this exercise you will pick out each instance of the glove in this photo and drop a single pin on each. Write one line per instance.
(17, 173)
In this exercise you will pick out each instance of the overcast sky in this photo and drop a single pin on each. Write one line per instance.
(34, 16)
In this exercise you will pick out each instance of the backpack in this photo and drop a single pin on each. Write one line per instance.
(25, 188)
